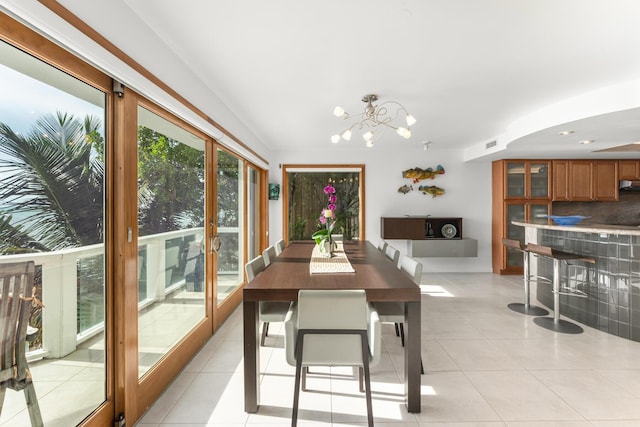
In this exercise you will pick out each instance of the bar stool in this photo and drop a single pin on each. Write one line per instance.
(555, 323)
(526, 307)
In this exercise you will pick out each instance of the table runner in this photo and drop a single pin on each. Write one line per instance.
(338, 263)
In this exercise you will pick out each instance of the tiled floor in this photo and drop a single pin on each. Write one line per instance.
(485, 366)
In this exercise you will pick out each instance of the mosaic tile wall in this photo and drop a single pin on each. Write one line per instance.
(612, 286)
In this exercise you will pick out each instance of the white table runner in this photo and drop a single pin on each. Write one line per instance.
(338, 263)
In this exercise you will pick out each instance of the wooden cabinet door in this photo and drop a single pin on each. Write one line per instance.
(605, 180)
(580, 180)
(629, 169)
(560, 180)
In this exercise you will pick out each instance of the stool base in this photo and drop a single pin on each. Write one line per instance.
(562, 326)
(530, 310)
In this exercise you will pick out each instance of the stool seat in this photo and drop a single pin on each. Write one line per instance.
(555, 323)
(526, 307)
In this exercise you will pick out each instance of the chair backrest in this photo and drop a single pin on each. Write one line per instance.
(253, 267)
(412, 267)
(392, 253)
(280, 246)
(269, 255)
(382, 246)
(16, 285)
(333, 310)
(514, 244)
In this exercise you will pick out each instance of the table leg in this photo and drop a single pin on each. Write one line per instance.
(412, 356)
(251, 356)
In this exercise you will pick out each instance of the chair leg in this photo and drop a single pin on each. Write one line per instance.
(2, 392)
(32, 405)
(402, 333)
(367, 378)
(361, 378)
(265, 330)
(305, 371)
(397, 329)
(421, 367)
(296, 392)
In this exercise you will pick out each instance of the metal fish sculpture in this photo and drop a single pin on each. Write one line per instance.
(405, 189)
(431, 189)
(416, 174)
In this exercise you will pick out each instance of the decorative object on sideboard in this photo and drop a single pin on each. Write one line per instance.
(373, 117)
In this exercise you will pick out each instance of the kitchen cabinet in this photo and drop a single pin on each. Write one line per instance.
(629, 169)
(585, 180)
(521, 192)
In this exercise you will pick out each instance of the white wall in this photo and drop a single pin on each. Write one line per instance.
(467, 187)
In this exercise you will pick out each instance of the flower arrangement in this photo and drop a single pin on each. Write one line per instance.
(327, 219)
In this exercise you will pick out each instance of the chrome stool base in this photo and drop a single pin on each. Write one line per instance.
(528, 309)
(558, 325)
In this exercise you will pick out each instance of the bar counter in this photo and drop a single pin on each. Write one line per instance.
(612, 286)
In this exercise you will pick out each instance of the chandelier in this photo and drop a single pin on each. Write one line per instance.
(373, 116)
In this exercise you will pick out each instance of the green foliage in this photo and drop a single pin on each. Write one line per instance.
(171, 180)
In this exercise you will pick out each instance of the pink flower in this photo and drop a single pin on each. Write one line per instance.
(329, 189)
(333, 198)
(331, 207)
(323, 220)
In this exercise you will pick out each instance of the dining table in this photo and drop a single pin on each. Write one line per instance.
(370, 270)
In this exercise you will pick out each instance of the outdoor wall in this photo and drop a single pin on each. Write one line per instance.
(467, 186)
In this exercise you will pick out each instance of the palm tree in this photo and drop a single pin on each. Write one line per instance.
(52, 181)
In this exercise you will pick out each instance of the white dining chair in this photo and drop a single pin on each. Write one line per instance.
(393, 311)
(350, 336)
(392, 253)
(269, 255)
(382, 246)
(268, 311)
(280, 246)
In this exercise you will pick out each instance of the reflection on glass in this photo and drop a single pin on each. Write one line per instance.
(515, 179)
(539, 213)
(171, 212)
(230, 273)
(539, 180)
(52, 146)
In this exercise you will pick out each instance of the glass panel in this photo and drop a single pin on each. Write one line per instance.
(307, 200)
(52, 214)
(538, 213)
(540, 179)
(515, 213)
(515, 179)
(253, 212)
(230, 224)
(171, 212)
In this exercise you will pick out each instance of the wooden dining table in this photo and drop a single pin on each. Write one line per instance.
(289, 273)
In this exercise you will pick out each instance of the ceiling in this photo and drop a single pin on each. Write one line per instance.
(470, 71)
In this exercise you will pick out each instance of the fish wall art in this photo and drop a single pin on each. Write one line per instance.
(431, 189)
(417, 174)
(405, 189)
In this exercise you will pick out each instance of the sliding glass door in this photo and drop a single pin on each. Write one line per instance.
(171, 230)
(53, 152)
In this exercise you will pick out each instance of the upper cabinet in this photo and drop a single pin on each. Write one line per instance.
(585, 180)
(527, 179)
(629, 169)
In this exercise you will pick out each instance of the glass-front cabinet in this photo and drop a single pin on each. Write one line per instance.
(521, 192)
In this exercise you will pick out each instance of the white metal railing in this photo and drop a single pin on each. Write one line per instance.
(60, 284)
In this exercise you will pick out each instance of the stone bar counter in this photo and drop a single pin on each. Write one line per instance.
(612, 286)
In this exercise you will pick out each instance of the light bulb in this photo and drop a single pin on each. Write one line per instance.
(369, 143)
(404, 132)
(410, 120)
(346, 135)
(335, 139)
(338, 111)
(367, 136)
